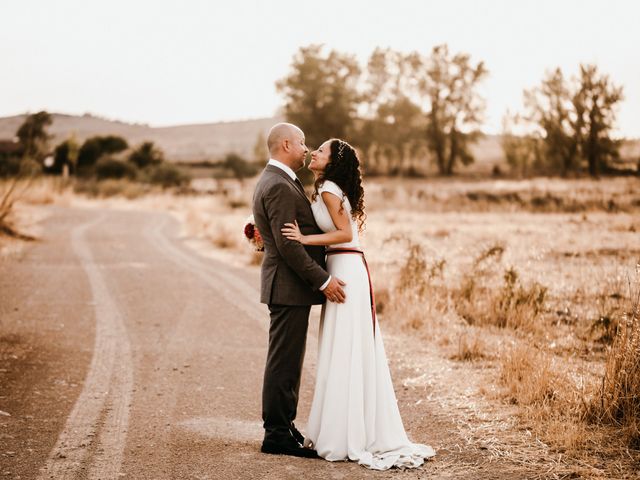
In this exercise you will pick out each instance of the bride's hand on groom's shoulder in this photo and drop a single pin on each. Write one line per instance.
(292, 232)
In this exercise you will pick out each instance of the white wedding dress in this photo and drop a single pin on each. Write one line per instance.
(354, 414)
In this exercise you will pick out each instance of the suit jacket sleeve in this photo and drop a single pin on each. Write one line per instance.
(280, 207)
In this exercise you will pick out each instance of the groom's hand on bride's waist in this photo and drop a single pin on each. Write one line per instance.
(334, 292)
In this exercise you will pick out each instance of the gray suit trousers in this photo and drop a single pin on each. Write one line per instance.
(287, 342)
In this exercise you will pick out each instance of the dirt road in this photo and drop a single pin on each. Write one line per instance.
(127, 355)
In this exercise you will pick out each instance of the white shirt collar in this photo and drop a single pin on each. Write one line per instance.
(284, 167)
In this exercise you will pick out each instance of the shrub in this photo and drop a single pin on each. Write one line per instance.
(146, 155)
(514, 305)
(470, 349)
(10, 193)
(529, 377)
(111, 188)
(617, 400)
(167, 175)
(239, 167)
(419, 293)
(95, 147)
(9, 166)
(13, 166)
(109, 167)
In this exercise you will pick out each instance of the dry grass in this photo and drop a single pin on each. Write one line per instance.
(421, 292)
(617, 400)
(538, 298)
(470, 348)
(10, 193)
(547, 285)
(417, 297)
(529, 377)
(113, 188)
(222, 236)
(519, 306)
(540, 195)
(512, 304)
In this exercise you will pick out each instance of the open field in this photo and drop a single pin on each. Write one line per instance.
(524, 284)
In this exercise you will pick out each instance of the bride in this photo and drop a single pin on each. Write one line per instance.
(354, 414)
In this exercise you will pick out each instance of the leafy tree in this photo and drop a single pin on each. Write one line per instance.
(33, 136)
(145, 155)
(523, 151)
(321, 93)
(239, 167)
(549, 106)
(575, 119)
(394, 123)
(65, 154)
(594, 104)
(95, 147)
(455, 112)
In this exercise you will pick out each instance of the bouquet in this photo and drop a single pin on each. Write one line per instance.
(252, 234)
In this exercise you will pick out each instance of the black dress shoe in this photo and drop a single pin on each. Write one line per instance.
(287, 448)
(296, 434)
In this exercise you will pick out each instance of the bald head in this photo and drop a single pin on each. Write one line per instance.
(279, 133)
(286, 144)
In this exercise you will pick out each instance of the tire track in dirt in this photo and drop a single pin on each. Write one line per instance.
(230, 284)
(93, 437)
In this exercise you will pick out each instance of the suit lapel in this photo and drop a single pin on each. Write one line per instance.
(282, 173)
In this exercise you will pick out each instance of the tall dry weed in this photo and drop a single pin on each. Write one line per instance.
(470, 347)
(481, 300)
(10, 193)
(529, 377)
(609, 306)
(419, 294)
(617, 400)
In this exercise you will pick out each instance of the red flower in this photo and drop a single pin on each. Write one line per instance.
(249, 231)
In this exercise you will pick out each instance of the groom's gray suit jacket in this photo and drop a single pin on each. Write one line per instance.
(291, 273)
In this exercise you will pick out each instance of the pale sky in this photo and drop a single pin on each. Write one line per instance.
(167, 62)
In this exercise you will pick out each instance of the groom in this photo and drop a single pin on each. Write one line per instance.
(293, 278)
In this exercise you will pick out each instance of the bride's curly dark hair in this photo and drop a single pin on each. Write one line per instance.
(343, 169)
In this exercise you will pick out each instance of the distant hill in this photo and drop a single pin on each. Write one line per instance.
(183, 143)
(210, 141)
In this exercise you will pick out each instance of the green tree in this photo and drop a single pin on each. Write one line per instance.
(549, 106)
(522, 150)
(449, 83)
(575, 119)
(145, 155)
(321, 93)
(594, 104)
(239, 167)
(95, 147)
(394, 122)
(65, 154)
(33, 136)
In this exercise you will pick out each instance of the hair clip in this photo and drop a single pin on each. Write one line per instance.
(341, 146)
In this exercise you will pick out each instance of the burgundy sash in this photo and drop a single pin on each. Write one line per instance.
(335, 251)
